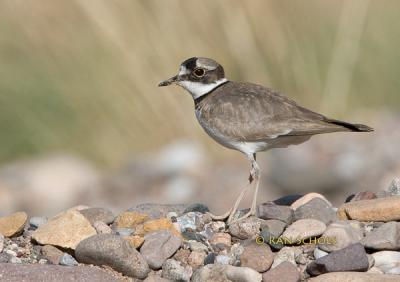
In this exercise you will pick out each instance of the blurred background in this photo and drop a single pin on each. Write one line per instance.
(82, 120)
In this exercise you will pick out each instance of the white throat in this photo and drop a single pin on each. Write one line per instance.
(197, 89)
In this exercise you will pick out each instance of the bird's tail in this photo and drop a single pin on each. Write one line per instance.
(352, 126)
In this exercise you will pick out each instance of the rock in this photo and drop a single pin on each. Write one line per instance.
(318, 253)
(355, 277)
(196, 259)
(339, 235)
(385, 237)
(13, 224)
(286, 254)
(1, 242)
(160, 224)
(287, 200)
(394, 187)
(158, 210)
(272, 211)
(193, 221)
(135, 241)
(223, 259)
(159, 246)
(65, 230)
(303, 229)
(123, 232)
(284, 272)
(209, 259)
(130, 219)
(270, 232)
(382, 209)
(246, 228)
(363, 195)
(98, 214)
(225, 273)
(113, 251)
(155, 278)
(68, 260)
(37, 221)
(102, 228)
(257, 257)
(53, 273)
(387, 261)
(182, 255)
(197, 207)
(173, 270)
(351, 258)
(52, 254)
(307, 198)
(316, 208)
(220, 241)
(196, 246)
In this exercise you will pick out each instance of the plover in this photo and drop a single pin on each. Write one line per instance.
(248, 117)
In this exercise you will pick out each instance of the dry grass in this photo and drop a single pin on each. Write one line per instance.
(81, 75)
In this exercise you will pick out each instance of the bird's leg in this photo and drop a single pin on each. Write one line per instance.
(255, 175)
(231, 212)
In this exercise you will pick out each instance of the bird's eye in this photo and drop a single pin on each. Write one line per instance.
(199, 72)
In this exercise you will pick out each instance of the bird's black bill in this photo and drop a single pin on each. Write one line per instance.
(168, 81)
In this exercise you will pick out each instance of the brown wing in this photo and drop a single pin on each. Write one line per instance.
(250, 112)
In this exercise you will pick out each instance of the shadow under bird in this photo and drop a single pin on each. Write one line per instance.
(248, 117)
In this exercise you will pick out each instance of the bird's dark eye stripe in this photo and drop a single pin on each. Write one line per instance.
(199, 72)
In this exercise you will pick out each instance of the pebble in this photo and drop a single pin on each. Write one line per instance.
(13, 224)
(160, 224)
(159, 246)
(52, 254)
(286, 254)
(196, 246)
(113, 251)
(385, 237)
(257, 257)
(363, 195)
(316, 208)
(246, 229)
(225, 273)
(98, 214)
(175, 271)
(52, 273)
(102, 228)
(155, 278)
(65, 230)
(387, 261)
(318, 253)
(284, 272)
(124, 231)
(68, 260)
(130, 219)
(270, 231)
(37, 221)
(158, 210)
(223, 259)
(394, 187)
(382, 209)
(351, 258)
(1, 242)
(287, 200)
(197, 207)
(272, 211)
(307, 198)
(209, 259)
(182, 255)
(135, 241)
(339, 235)
(303, 229)
(355, 277)
(196, 259)
(220, 241)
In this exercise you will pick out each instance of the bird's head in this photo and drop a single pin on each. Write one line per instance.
(198, 76)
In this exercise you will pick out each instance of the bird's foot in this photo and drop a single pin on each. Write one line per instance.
(252, 212)
(220, 217)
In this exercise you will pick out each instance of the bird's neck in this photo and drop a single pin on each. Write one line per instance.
(198, 89)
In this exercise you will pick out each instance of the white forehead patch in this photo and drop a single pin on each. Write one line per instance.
(197, 89)
(183, 70)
